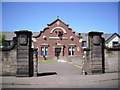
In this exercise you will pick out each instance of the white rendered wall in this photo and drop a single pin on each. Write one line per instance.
(110, 43)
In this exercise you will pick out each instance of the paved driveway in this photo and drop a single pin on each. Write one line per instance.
(59, 68)
(62, 75)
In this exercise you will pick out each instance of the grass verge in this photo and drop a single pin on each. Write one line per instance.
(47, 61)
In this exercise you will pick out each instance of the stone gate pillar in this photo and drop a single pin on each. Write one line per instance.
(35, 61)
(24, 54)
(94, 62)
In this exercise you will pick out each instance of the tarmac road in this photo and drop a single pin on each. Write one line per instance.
(60, 68)
(62, 75)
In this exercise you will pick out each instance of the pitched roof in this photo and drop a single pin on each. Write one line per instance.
(35, 33)
(113, 35)
(105, 36)
(35, 36)
(56, 21)
(10, 35)
(84, 36)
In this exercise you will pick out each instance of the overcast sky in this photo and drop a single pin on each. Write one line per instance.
(82, 17)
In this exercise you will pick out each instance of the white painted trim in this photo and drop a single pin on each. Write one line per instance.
(57, 28)
(58, 37)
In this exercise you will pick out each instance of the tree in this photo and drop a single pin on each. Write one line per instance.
(3, 41)
(2, 37)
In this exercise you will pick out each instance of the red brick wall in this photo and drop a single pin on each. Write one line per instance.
(50, 42)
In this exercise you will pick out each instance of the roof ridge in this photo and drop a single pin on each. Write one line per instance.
(57, 20)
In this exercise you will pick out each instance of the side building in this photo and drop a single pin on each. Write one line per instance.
(111, 40)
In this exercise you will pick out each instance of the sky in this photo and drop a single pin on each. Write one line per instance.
(82, 17)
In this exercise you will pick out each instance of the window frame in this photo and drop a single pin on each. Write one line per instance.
(84, 44)
(44, 50)
(114, 43)
(71, 51)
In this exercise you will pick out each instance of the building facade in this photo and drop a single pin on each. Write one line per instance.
(113, 40)
(58, 41)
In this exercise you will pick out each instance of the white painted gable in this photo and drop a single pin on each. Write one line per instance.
(114, 38)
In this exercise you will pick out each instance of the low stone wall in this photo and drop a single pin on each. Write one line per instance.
(111, 60)
(9, 62)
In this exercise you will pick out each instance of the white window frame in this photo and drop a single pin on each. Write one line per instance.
(44, 50)
(72, 49)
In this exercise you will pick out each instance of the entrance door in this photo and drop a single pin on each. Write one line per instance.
(57, 52)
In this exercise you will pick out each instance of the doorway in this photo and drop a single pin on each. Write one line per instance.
(57, 52)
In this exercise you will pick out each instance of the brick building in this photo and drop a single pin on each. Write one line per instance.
(58, 41)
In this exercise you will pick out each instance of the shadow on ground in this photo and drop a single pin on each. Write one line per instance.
(46, 74)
